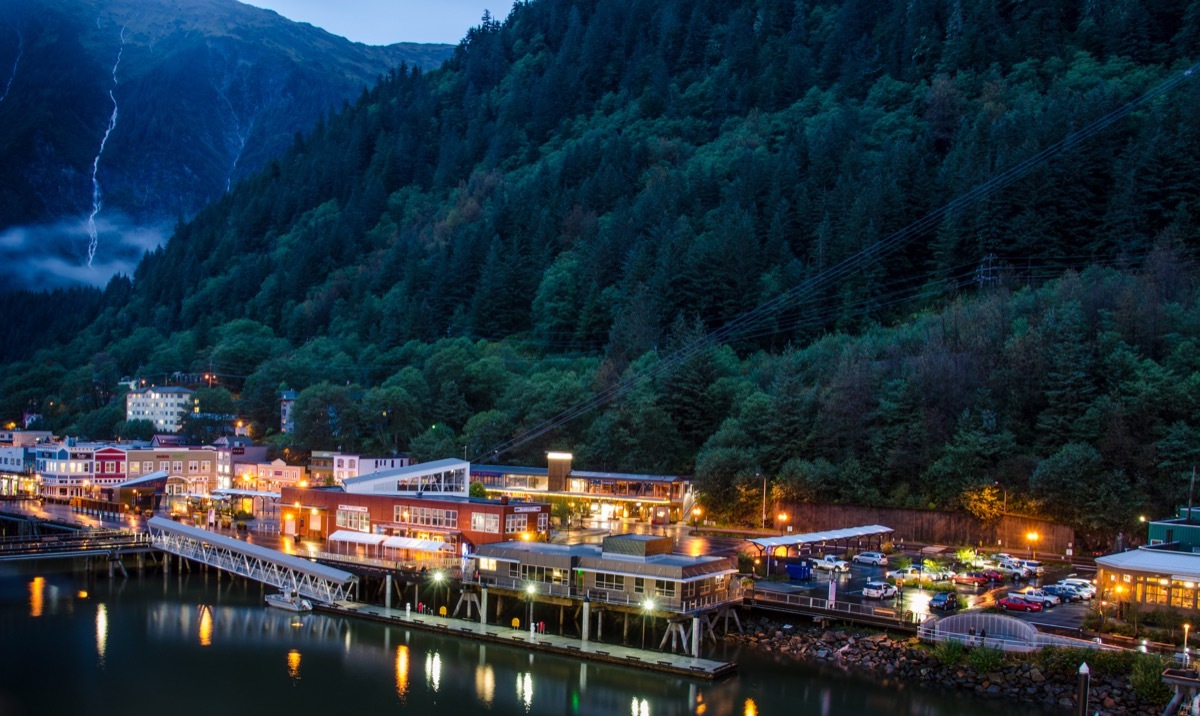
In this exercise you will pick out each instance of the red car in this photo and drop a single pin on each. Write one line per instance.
(972, 578)
(1018, 604)
(992, 575)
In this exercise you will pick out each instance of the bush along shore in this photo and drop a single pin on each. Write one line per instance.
(1121, 682)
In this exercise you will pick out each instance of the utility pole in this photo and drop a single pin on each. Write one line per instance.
(764, 501)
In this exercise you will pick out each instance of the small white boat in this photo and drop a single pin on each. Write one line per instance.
(291, 601)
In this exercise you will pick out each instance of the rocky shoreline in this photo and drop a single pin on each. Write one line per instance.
(903, 661)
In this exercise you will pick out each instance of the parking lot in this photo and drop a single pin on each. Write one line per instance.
(915, 597)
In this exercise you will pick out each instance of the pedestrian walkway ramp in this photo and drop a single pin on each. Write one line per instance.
(314, 581)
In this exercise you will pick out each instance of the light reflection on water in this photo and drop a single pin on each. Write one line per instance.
(187, 624)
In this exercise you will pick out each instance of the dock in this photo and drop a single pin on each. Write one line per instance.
(661, 662)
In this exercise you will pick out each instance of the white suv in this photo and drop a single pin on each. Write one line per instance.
(1033, 566)
(875, 558)
(1083, 586)
(1014, 568)
(878, 590)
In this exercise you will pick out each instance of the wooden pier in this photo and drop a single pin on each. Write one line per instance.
(662, 662)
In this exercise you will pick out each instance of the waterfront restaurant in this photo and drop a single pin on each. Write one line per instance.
(425, 504)
(658, 499)
(1152, 577)
(635, 571)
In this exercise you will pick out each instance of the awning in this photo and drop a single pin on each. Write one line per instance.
(420, 545)
(356, 537)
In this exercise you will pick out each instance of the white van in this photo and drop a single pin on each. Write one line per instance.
(1083, 586)
(1035, 567)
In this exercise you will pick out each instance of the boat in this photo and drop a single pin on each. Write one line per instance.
(291, 601)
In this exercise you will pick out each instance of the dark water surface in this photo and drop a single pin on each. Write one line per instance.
(183, 645)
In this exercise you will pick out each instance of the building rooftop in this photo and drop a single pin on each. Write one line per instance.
(1185, 565)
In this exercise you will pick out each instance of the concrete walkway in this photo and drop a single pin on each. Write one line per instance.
(678, 664)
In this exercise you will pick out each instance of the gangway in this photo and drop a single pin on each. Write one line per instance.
(313, 580)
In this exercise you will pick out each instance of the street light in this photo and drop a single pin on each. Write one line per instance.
(437, 582)
(764, 501)
(1186, 658)
(696, 516)
(1032, 537)
(647, 608)
(530, 590)
(782, 517)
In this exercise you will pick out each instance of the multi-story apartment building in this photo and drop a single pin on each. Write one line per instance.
(16, 471)
(163, 406)
(272, 476)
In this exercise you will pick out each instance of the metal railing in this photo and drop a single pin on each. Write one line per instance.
(605, 596)
(74, 544)
(816, 604)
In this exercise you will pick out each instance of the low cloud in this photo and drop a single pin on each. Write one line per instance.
(49, 256)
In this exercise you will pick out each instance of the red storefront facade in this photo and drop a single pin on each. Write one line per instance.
(314, 513)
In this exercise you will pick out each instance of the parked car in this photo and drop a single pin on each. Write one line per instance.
(1013, 570)
(1064, 592)
(908, 574)
(945, 601)
(832, 564)
(975, 579)
(939, 574)
(1035, 567)
(992, 575)
(879, 590)
(872, 558)
(1044, 598)
(1018, 604)
(1085, 588)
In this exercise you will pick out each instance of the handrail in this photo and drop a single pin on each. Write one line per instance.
(604, 596)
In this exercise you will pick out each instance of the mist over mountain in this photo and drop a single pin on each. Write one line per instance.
(120, 117)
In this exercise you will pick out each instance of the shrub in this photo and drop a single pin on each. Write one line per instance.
(1146, 679)
(949, 652)
(243, 516)
(985, 659)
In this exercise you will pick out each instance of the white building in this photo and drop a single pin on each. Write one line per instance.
(440, 478)
(162, 406)
(347, 466)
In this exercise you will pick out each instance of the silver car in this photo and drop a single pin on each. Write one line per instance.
(875, 558)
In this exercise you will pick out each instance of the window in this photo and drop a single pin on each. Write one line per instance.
(110, 467)
(205, 465)
(487, 564)
(1155, 593)
(545, 575)
(484, 522)
(639, 586)
(664, 588)
(134, 467)
(615, 582)
(1183, 595)
(193, 465)
(543, 522)
(427, 516)
(360, 521)
(177, 466)
(516, 523)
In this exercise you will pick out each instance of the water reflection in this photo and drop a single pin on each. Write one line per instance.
(433, 670)
(37, 596)
(751, 708)
(206, 626)
(401, 671)
(101, 631)
(485, 684)
(293, 665)
(640, 707)
(525, 690)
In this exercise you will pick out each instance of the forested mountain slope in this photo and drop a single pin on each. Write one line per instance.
(589, 186)
(136, 113)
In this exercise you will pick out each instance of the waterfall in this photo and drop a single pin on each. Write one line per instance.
(13, 74)
(112, 123)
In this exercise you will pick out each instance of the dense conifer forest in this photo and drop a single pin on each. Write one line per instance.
(588, 194)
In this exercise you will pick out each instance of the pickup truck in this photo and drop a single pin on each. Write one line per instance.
(1037, 596)
(832, 564)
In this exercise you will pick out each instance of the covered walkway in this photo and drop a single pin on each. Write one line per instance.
(771, 546)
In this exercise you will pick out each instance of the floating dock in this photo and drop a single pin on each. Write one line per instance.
(662, 662)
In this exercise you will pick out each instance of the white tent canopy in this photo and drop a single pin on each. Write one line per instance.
(356, 537)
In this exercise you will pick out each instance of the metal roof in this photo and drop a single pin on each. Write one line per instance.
(356, 537)
(420, 545)
(624, 476)
(148, 477)
(592, 558)
(810, 537)
(243, 493)
(297, 563)
(1184, 566)
(401, 473)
